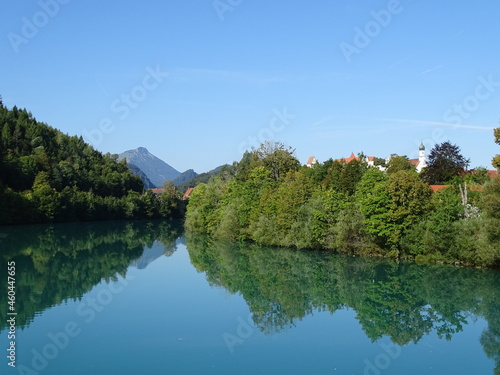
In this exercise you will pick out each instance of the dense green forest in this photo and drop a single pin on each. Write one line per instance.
(48, 176)
(269, 198)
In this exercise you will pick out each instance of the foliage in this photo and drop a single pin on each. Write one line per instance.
(490, 202)
(46, 175)
(277, 158)
(445, 163)
(399, 163)
(202, 178)
(347, 207)
(496, 159)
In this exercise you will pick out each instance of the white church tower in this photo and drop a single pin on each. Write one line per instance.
(422, 163)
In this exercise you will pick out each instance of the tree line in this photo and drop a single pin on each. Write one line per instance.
(48, 176)
(269, 198)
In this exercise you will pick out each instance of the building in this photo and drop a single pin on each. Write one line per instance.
(187, 194)
(370, 160)
(311, 161)
(419, 163)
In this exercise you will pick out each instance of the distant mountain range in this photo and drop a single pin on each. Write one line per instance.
(154, 171)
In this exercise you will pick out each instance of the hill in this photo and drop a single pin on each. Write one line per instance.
(184, 177)
(139, 173)
(154, 168)
(46, 175)
(201, 178)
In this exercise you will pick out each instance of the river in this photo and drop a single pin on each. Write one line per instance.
(145, 298)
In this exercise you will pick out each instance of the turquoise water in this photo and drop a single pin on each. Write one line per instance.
(140, 298)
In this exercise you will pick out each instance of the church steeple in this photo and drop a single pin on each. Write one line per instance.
(422, 163)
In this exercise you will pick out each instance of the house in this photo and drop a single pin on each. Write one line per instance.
(187, 194)
(492, 173)
(311, 161)
(349, 159)
(370, 160)
(436, 188)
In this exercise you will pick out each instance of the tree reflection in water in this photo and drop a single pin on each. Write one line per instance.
(404, 301)
(60, 262)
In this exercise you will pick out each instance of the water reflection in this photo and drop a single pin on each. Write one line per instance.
(404, 301)
(55, 263)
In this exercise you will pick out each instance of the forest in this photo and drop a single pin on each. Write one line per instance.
(48, 176)
(269, 198)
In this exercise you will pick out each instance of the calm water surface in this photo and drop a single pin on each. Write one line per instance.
(140, 298)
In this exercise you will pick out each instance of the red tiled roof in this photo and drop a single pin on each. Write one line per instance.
(436, 188)
(354, 157)
(414, 162)
(311, 160)
(492, 173)
(351, 158)
(475, 187)
(187, 193)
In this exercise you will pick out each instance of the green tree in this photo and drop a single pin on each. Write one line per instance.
(45, 197)
(399, 163)
(490, 200)
(392, 205)
(410, 200)
(496, 159)
(277, 158)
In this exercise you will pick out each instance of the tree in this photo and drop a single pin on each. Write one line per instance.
(410, 201)
(445, 162)
(392, 205)
(399, 163)
(379, 162)
(496, 159)
(278, 158)
(46, 198)
(490, 202)
(351, 175)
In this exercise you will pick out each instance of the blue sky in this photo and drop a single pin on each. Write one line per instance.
(198, 81)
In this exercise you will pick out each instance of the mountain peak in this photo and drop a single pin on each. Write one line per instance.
(155, 169)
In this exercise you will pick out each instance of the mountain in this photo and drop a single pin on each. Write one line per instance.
(155, 169)
(139, 173)
(201, 178)
(184, 176)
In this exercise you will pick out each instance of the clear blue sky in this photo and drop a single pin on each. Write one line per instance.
(196, 85)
